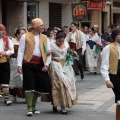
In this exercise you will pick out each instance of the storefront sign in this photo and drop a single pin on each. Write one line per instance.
(95, 5)
(79, 12)
(91, 0)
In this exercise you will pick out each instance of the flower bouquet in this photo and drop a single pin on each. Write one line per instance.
(98, 47)
(70, 56)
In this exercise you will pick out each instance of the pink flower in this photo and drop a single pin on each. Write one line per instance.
(99, 44)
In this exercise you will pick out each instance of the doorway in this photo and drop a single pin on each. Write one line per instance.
(104, 21)
(32, 11)
(116, 19)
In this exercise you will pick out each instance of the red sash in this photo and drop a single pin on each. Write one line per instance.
(5, 38)
(34, 60)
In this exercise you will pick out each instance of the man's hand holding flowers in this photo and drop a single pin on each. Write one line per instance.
(71, 55)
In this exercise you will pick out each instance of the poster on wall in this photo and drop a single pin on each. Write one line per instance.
(79, 12)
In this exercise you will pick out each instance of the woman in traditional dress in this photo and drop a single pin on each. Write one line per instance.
(51, 38)
(62, 75)
(16, 81)
(92, 53)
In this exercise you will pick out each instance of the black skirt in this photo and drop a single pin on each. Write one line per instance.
(35, 79)
(115, 79)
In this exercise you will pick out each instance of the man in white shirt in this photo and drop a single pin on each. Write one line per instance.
(96, 29)
(33, 61)
(110, 67)
(6, 49)
(86, 32)
(77, 41)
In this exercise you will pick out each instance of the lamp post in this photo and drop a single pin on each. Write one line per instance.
(109, 3)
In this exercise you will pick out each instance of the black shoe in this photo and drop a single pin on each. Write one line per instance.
(54, 109)
(65, 113)
(82, 77)
(94, 73)
(76, 73)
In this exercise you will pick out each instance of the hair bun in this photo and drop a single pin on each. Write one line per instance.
(60, 34)
(15, 30)
(59, 31)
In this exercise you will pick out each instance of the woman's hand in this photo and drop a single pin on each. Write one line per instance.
(70, 59)
(49, 53)
(45, 68)
(19, 69)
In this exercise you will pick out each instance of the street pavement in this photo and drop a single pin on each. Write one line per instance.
(95, 102)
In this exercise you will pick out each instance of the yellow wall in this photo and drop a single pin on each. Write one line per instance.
(14, 20)
(96, 17)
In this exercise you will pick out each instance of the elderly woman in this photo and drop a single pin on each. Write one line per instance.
(16, 82)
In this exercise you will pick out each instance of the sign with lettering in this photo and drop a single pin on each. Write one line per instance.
(91, 0)
(95, 5)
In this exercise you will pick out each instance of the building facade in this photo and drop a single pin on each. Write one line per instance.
(18, 13)
(115, 12)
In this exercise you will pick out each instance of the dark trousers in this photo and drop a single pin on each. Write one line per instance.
(35, 79)
(115, 79)
(84, 61)
(78, 64)
(5, 78)
(5, 73)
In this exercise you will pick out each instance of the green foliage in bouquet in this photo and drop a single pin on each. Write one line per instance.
(97, 49)
(70, 56)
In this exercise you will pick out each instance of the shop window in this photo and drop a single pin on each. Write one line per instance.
(32, 11)
(116, 4)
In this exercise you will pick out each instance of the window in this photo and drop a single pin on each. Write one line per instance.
(32, 11)
(55, 15)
